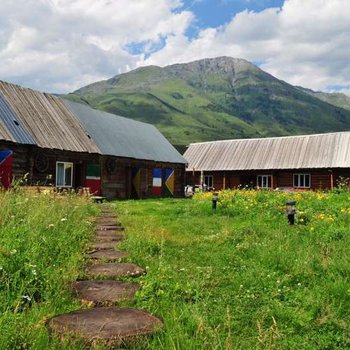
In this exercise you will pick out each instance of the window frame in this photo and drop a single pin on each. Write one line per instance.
(64, 174)
(299, 175)
(262, 176)
(208, 177)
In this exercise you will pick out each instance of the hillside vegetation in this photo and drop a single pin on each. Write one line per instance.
(212, 99)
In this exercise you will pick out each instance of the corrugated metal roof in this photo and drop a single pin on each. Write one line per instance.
(330, 150)
(46, 119)
(15, 130)
(123, 137)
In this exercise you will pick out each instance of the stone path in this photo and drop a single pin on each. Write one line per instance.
(108, 254)
(104, 291)
(111, 325)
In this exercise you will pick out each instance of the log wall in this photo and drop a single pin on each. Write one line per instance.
(40, 166)
(320, 178)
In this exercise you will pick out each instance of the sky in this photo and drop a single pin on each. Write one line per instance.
(58, 46)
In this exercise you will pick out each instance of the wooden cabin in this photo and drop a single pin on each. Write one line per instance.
(48, 141)
(293, 162)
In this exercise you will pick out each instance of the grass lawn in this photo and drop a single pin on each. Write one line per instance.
(42, 242)
(240, 277)
(236, 278)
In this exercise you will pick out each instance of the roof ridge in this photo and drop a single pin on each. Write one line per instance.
(271, 138)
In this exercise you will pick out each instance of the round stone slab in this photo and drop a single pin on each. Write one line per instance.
(109, 222)
(107, 217)
(108, 254)
(113, 270)
(104, 245)
(108, 324)
(109, 228)
(105, 291)
(109, 236)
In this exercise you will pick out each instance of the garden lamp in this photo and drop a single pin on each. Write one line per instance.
(214, 200)
(290, 209)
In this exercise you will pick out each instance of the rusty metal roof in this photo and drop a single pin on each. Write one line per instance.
(43, 119)
(331, 150)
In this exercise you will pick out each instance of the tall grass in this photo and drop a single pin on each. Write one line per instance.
(42, 240)
(241, 277)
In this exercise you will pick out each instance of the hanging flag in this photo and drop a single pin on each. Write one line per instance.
(136, 183)
(157, 182)
(169, 182)
(93, 179)
(6, 160)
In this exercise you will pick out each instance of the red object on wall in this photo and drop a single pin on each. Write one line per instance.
(6, 160)
(93, 179)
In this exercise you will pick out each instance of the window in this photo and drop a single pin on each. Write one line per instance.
(208, 180)
(302, 180)
(264, 181)
(64, 174)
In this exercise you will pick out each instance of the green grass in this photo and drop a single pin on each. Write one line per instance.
(235, 278)
(42, 240)
(240, 277)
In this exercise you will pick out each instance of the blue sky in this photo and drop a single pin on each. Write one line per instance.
(212, 13)
(61, 45)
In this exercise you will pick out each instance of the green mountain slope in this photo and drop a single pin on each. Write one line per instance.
(213, 99)
(335, 98)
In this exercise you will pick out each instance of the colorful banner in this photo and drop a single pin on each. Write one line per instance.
(6, 160)
(136, 183)
(157, 182)
(169, 182)
(93, 179)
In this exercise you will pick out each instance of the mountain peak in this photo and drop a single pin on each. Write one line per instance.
(216, 98)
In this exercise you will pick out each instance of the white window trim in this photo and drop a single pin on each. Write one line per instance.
(212, 180)
(303, 174)
(71, 180)
(263, 175)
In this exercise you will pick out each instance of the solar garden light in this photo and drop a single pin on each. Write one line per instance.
(290, 209)
(214, 200)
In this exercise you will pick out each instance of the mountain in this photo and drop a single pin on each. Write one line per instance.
(334, 98)
(212, 99)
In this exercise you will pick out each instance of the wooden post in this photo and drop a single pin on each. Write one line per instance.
(272, 181)
(224, 181)
(332, 184)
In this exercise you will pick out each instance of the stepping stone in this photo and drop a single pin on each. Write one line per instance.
(104, 245)
(107, 222)
(118, 224)
(109, 227)
(108, 254)
(109, 236)
(112, 325)
(113, 270)
(105, 291)
(107, 217)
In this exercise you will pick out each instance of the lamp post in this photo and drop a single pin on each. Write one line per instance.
(214, 200)
(290, 209)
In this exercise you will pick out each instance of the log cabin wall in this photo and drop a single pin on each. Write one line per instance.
(117, 177)
(323, 179)
(40, 164)
(20, 158)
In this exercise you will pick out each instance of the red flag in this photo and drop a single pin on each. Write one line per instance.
(6, 159)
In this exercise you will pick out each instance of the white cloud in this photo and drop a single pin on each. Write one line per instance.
(304, 43)
(60, 45)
